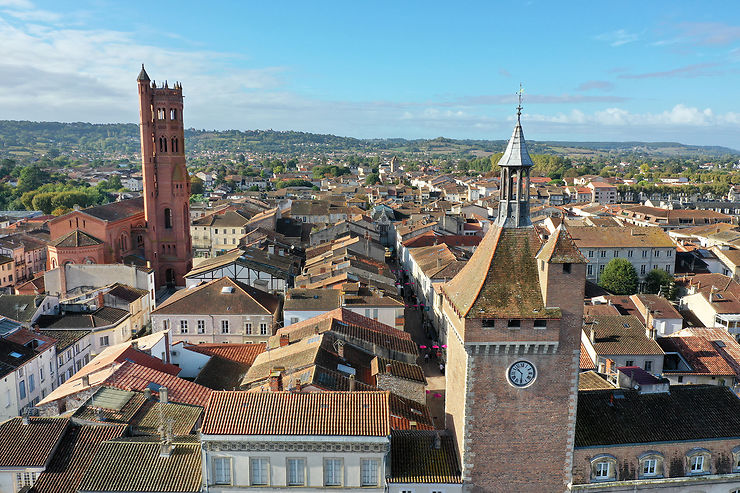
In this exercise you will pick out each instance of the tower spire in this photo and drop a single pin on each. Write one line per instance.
(515, 164)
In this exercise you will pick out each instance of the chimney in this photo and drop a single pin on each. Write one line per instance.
(85, 380)
(352, 383)
(25, 419)
(592, 334)
(163, 395)
(387, 367)
(284, 340)
(135, 345)
(276, 381)
(101, 299)
(437, 441)
(340, 349)
(148, 394)
(298, 386)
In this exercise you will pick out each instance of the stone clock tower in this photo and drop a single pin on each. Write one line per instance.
(515, 314)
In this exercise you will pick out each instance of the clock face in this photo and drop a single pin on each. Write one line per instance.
(522, 373)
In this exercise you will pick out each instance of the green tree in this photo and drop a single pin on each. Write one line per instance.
(619, 277)
(661, 281)
(372, 179)
(196, 185)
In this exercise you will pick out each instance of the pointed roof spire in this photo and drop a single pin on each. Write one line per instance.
(143, 76)
(516, 153)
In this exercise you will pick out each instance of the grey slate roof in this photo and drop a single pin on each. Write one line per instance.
(516, 153)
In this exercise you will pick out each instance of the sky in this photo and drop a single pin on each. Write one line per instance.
(591, 71)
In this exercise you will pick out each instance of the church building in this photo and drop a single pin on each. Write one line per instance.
(152, 230)
(514, 314)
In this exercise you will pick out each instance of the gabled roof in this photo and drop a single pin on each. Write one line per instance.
(291, 413)
(500, 280)
(74, 239)
(221, 296)
(116, 210)
(131, 376)
(101, 317)
(74, 456)
(32, 444)
(134, 465)
(560, 249)
(241, 353)
(622, 335)
(686, 413)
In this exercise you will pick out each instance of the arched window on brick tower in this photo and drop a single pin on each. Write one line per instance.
(174, 144)
(168, 218)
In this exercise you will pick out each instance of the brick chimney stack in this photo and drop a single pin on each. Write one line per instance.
(284, 340)
(101, 300)
(276, 381)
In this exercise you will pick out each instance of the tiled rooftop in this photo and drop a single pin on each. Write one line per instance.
(29, 445)
(415, 458)
(291, 413)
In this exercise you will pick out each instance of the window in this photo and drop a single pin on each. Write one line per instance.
(514, 324)
(648, 366)
(629, 253)
(648, 467)
(602, 470)
(644, 253)
(603, 253)
(296, 472)
(224, 326)
(31, 383)
(41, 374)
(293, 320)
(263, 329)
(258, 471)
(375, 313)
(168, 218)
(697, 463)
(657, 253)
(173, 114)
(669, 253)
(25, 479)
(629, 362)
(248, 328)
(222, 470)
(22, 389)
(201, 326)
(104, 341)
(590, 254)
(616, 253)
(183, 326)
(540, 324)
(601, 269)
(369, 472)
(332, 472)
(566, 268)
(642, 269)
(367, 312)
(590, 269)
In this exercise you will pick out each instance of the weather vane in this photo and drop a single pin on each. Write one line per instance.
(519, 108)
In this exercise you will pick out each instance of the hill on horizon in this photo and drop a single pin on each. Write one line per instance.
(27, 139)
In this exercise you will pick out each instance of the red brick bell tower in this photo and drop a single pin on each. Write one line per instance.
(166, 181)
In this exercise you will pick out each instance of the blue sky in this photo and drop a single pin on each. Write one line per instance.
(592, 71)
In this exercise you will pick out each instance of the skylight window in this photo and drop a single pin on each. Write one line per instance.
(16, 355)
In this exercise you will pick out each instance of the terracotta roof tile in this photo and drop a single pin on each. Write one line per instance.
(590, 380)
(416, 459)
(131, 376)
(400, 369)
(241, 353)
(30, 445)
(500, 279)
(622, 335)
(128, 465)
(210, 298)
(290, 413)
(701, 354)
(75, 239)
(586, 362)
(73, 457)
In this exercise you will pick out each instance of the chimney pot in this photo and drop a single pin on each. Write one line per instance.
(25, 420)
(85, 380)
(352, 383)
(276, 381)
(163, 395)
(388, 368)
(284, 340)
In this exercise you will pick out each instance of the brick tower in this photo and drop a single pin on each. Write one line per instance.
(166, 182)
(515, 314)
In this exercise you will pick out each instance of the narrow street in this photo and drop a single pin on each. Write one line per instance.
(435, 378)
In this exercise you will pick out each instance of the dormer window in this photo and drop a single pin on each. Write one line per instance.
(651, 465)
(698, 461)
(603, 468)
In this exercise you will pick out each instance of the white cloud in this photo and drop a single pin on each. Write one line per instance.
(679, 115)
(618, 38)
